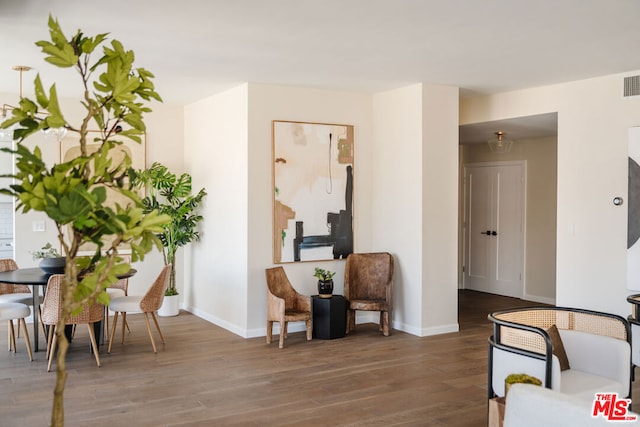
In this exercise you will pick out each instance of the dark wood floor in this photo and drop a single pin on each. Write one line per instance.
(207, 376)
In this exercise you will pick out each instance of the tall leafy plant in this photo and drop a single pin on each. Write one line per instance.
(74, 193)
(172, 195)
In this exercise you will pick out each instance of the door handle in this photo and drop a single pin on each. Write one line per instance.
(488, 233)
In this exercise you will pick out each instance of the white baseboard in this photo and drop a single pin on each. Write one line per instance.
(361, 317)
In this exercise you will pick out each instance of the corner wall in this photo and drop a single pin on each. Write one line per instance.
(415, 192)
(216, 154)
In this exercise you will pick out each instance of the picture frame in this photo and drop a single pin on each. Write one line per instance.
(312, 191)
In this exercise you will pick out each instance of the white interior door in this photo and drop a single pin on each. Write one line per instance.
(494, 228)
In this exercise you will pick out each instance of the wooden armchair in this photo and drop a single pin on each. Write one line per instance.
(285, 305)
(368, 285)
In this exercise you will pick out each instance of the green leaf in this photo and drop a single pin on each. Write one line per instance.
(41, 97)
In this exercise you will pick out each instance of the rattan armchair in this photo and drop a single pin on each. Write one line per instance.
(368, 285)
(149, 303)
(597, 347)
(52, 311)
(285, 304)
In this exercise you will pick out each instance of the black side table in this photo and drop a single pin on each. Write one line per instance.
(329, 317)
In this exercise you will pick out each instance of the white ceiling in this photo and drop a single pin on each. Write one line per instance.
(529, 127)
(199, 47)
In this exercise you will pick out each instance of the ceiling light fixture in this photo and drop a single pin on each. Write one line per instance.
(499, 144)
(7, 134)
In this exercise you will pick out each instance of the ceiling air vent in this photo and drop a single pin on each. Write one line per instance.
(632, 86)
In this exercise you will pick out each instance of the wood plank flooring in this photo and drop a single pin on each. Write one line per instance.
(207, 376)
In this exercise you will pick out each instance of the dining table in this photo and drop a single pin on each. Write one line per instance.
(38, 279)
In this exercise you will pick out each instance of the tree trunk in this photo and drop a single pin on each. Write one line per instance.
(57, 414)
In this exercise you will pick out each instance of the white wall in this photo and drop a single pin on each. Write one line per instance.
(216, 154)
(440, 209)
(397, 197)
(593, 123)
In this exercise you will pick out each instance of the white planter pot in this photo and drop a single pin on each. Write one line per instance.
(170, 306)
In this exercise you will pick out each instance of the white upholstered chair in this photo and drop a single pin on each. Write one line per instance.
(596, 347)
(11, 311)
(16, 293)
(148, 303)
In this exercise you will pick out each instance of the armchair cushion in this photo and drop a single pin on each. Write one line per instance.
(600, 356)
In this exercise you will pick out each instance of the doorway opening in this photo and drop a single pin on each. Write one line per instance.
(535, 145)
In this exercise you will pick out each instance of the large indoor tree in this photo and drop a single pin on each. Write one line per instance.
(77, 194)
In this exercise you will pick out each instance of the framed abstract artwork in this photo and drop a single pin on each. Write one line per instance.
(312, 191)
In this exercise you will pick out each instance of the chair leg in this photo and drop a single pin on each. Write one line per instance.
(351, 320)
(49, 341)
(44, 330)
(384, 320)
(106, 318)
(309, 330)
(380, 327)
(286, 329)
(113, 331)
(9, 334)
(94, 345)
(53, 348)
(283, 328)
(269, 331)
(124, 322)
(12, 337)
(155, 320)
(153, 343)
(26, 338)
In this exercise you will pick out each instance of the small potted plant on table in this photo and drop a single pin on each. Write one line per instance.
(325, 282)
(50, 260)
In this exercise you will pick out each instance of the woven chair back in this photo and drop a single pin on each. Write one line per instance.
(8, 264)
(152, 300)
(52, 306)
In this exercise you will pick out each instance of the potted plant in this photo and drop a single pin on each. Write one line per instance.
(325, 282)
(50, 260)
(519, 378)
(74, 193)
(171, 195)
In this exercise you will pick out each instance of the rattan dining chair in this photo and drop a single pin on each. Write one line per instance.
(149, 303)
(11, 311)
(52, 310)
